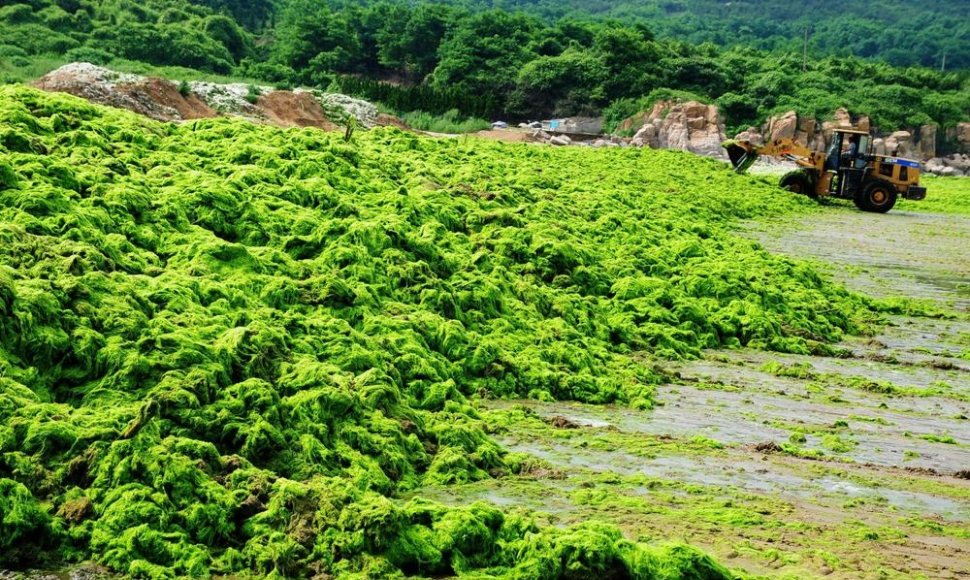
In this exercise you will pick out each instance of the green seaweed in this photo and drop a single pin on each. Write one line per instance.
(239, 343)
(26, 529)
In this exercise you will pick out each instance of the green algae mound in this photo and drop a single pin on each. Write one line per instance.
(227, 348)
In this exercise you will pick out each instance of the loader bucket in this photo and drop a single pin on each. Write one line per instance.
(742, 155)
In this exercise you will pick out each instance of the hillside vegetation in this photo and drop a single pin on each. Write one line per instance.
(227, 347)
(900, 33)
(532, 64)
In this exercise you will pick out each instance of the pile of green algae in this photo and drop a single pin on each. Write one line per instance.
(227, 348)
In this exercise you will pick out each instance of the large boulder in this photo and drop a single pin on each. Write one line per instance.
(949, 172)
(689, 126)
(963, 137)
(959, 162)
(751, 135)
(926, 146)
(951, 166)
(647, 136)
(805, 135)
(819, 143)
(842, 117)
(933, 165)
(879, 146)
(900, 144)
(782, 126)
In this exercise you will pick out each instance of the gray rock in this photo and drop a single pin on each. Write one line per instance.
(962, 137)
(926, 146)
(879, 146)
(959, 162)
(751, 135)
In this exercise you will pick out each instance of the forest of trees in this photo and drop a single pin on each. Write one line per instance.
(538, 58)
(900, 33)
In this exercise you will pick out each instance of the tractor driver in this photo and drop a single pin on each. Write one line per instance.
(849, 156)
(853, 148)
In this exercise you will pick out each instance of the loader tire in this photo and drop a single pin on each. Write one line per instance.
(798, 182)
(877, 196)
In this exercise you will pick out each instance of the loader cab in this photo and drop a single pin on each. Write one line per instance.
(846, 161)
(848, 150)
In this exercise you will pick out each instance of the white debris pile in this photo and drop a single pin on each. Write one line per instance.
(231, 98)
(339, 107)
(104, 86)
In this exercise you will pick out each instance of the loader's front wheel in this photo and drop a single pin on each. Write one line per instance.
(798, 182)
(877, 196)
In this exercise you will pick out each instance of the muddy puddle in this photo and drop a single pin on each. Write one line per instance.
(902, 253)
(722, 477)
(81, 572)
(843, 432)
(840, 393)
(737, 468)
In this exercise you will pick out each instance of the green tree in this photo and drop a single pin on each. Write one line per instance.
(484, 53)
(568, 84)
(632, 62)
(315, 40)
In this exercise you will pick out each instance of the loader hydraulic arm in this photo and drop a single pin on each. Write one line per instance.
(744, 153)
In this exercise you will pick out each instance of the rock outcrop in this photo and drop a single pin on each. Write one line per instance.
(689, 126)
(961, 137)
(900, 144)
(878, 146)
(647, 136)
(926, 145)
(806, 131)
(782, 127)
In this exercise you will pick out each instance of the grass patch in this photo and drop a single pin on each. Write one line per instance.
(943, 195)
(450, 122)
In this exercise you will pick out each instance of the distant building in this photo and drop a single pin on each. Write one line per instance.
(583, 125)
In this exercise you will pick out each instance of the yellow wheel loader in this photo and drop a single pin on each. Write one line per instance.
(848, 170)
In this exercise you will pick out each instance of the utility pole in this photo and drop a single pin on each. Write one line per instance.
(805, 52)
(943, 66)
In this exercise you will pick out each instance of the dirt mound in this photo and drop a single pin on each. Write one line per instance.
(166, 95)
(767, 447)
(561, 422)
(106, 87)
(165, 100)
(385, 120)
(288, 109)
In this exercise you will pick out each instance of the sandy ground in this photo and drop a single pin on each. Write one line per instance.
(786, 465)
